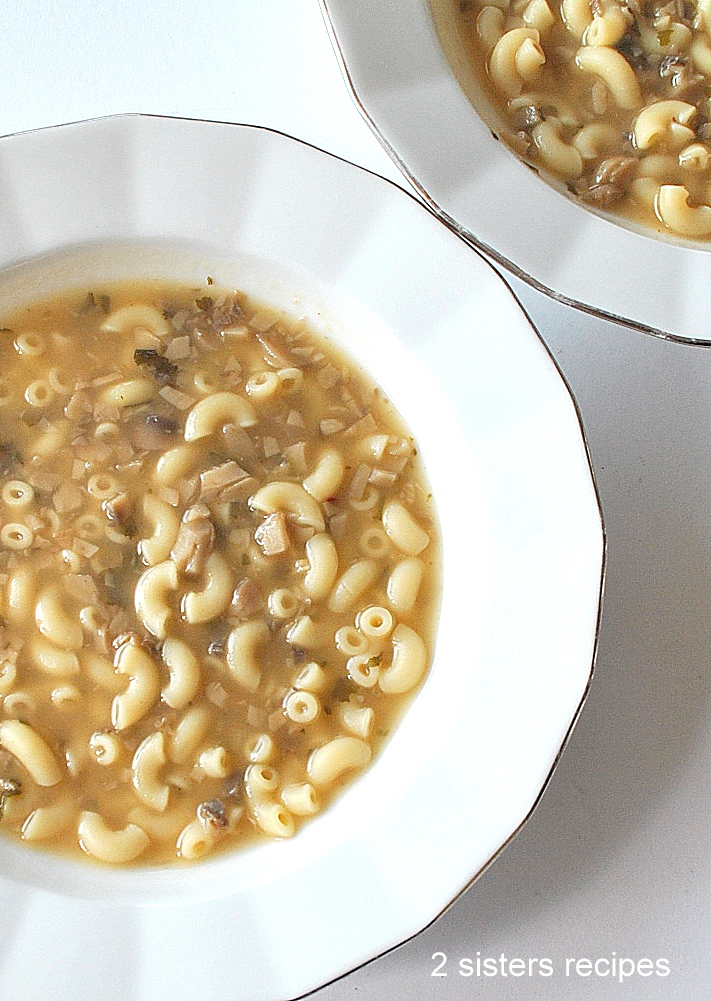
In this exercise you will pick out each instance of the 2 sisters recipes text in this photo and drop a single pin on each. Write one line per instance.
(219, 573)
(612, 97)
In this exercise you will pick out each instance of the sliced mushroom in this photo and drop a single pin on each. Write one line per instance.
(272, 535)
(195, 541)
(228, 481)
(247, 599)
(119, 509)
(163, 370)
(152, 432)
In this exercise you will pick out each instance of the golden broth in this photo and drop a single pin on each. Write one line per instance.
(219, 569)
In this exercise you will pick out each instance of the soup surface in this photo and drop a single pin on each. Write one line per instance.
(219, 569)
(611, 98)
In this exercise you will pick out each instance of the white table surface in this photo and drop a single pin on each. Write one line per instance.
(615, 862)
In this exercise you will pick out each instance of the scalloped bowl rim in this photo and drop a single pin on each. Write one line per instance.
(410, 97)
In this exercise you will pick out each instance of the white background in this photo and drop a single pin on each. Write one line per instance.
(615, 861)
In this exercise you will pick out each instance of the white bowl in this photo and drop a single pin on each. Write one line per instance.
(523, 555)
(400, 79)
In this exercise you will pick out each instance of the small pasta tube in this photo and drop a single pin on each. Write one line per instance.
(311, 678)
(106, 747)
(39, 393)
(261, 749)
(196, 840)
(375, 622)
(8, 676)
(561, 157)
(17, 494)
(305, 633)
(16, 535)
(357, 720)
(667, 122)
(188, 734)
(300, 798)
(164, 524)
(215, 762)
(53, 659)
(128, 393)
(20, 594)
(351, 641)
(614, 71)
(516, 59)
(301, 706)
(260, 780)
(363, 670)
(672, 207)
(273, 818)
(609, 27)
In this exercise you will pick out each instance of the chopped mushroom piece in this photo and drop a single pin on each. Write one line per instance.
(163, 371)
(273, 355)
(247, 599)
(9, 458)
(83, 588)
(212, 813)
(67, 497)
(239, 443)
(8, 788)
(79, 408)
(228, 475)
(610, 182)
(178, 349)
(359, 482)
(365, 425)
(382, 478)
(196, 537)
(296, 455)
(272, 534)
(153, 431)
(119, 509)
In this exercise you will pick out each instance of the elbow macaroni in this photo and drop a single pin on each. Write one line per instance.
(207, 606)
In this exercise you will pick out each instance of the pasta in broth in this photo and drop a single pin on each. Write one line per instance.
(610, 97)
(219, 570)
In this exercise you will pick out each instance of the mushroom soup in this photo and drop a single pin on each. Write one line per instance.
(219, 569)
(612, 99)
